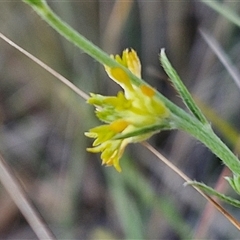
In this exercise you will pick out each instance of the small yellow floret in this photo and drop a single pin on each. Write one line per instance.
(120, 76)
(133, 62)
(148, 91)
(118, 125)
(114, 162)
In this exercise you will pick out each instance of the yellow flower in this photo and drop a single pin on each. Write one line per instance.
(132, 116)
(112, 150)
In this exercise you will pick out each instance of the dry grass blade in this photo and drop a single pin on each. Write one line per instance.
(46, 67)
(187, 179)
(222, 56)
(12, 185)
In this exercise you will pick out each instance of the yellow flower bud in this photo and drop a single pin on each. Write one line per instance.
(134, 113)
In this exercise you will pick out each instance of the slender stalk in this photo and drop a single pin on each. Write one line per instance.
(42, 9)
(206, 135)
(70, 34)
(47, 68)
(222, 56)
(17, 193)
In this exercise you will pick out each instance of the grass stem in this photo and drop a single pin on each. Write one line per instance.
(17, 193)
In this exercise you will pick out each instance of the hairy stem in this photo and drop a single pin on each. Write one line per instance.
(206, 135)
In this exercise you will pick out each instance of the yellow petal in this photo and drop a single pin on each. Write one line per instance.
(120, 76)
(118, 125)
(133, 62)
(148, 91)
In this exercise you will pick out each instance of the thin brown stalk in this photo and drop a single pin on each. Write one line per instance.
(187, 179)
(209, 211)
(17, 193)
(46, 67)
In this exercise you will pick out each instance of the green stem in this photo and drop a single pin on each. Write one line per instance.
(206, 135)
(43, 10)
(70, 34)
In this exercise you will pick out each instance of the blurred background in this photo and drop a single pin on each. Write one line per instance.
(43, 122)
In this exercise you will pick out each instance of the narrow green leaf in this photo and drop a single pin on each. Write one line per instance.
(213, 192)
(181, 89)
(37, 3)
(234, 182)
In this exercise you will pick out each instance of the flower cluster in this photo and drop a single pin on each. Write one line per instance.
(132, 116)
